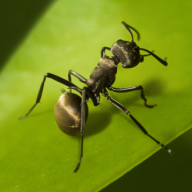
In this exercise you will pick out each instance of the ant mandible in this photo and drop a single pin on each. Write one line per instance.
(71, 110)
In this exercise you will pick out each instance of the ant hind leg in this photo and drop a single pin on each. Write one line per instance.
(54, 77)
(121, 107)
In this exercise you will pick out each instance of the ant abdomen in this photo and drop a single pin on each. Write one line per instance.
(68, 113)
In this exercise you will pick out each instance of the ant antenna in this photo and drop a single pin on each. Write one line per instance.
(148, 54)
(158, 58)
(128, 27)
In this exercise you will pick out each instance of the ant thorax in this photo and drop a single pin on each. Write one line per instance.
(103, 75)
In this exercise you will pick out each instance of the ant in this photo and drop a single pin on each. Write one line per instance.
(71, 111)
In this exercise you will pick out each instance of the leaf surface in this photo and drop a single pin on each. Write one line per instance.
(35, 154)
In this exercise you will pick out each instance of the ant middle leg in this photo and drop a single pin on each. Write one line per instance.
(129, 89)
(54, 77)
(121, 107)
(78, 76)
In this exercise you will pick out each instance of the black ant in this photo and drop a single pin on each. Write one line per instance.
(71, 110)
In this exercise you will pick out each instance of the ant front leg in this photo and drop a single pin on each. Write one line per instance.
(103, 51)
(129, 89)
(121, 107)
(54, 77)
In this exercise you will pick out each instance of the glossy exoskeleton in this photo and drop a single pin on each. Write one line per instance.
(71, 111)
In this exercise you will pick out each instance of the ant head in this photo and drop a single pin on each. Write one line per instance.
(128, 53)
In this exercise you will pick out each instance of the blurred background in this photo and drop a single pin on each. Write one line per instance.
(17, 18)
(160, 172)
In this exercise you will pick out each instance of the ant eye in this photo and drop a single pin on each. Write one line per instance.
(136, 48)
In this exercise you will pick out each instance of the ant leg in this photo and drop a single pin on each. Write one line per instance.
(85, 92)
(129, 89)
(82, 126)
(81, 78)
(89, 94)
(103, 51)
(54, 77)
(121, 107)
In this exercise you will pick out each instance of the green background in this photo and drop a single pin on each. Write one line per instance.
(56, 36)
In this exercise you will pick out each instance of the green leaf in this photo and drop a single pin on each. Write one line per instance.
(35, 154)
